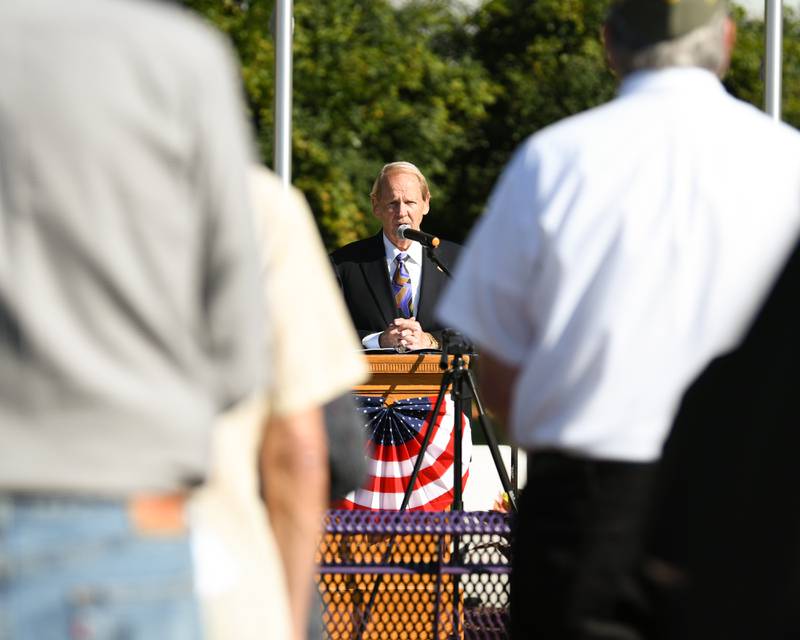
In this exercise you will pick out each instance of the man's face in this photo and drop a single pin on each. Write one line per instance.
(400, 202)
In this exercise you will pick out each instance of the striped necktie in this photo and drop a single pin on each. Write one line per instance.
(401, 287)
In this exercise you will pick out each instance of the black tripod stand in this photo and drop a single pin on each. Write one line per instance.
(459, 379)
(464, 388)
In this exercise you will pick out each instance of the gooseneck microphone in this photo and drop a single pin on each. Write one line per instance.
(425, 239)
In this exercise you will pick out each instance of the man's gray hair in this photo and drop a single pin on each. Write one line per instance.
(703, 47)
(398, 167)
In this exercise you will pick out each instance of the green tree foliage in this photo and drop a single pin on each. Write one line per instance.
(375, 84)
(745, 77)
(372, 84)
(791, 68)
(548, 59)
(452, 91)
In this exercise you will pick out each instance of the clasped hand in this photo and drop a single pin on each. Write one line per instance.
(405, 334)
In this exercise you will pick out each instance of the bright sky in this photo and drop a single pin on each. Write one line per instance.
(757, 6)
(754, 6)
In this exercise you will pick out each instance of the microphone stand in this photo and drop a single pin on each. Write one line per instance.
(435, 259)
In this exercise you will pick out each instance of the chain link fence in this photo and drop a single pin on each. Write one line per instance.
(415, 575)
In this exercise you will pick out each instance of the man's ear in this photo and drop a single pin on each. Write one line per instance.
(730, 43)
(608, 46)
(427, 206)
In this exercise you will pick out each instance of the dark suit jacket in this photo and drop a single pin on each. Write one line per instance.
(729, 481)
(361, 270)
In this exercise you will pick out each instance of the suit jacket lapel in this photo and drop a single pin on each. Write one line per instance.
(377, 279)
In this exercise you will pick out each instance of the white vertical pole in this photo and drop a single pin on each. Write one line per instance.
(283, 90)
(773, 70)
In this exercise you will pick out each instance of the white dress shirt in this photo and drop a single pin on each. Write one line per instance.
(622, 249)
(414, 266)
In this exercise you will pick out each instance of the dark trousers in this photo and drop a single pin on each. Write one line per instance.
(577, 544)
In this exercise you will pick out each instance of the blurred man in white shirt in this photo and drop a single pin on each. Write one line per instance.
(622, 249)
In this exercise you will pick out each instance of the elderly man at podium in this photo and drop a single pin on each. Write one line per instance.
(390, 282)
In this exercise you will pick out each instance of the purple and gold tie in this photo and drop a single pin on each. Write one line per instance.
(401, 287)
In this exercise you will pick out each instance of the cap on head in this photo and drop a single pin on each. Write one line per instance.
(647, 22)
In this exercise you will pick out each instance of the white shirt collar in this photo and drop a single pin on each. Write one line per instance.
(691, 78)
(414, 252)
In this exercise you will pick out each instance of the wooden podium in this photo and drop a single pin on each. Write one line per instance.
(409, 604)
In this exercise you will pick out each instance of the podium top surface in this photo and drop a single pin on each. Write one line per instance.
(399, 375)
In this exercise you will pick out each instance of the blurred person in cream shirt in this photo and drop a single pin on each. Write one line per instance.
(255, 565)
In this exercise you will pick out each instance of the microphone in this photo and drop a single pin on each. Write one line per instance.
(425, 239)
